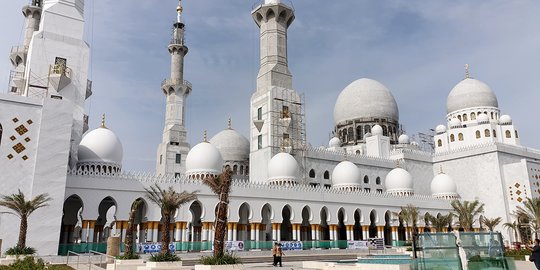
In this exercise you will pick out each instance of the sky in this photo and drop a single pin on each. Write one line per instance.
(416, 48)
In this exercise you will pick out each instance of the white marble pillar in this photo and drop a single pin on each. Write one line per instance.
(253, 236)
(235, 231)
(204, 232)
(274, 233)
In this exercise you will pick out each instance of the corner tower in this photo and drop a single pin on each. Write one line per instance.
(172, 152)
(277, 113)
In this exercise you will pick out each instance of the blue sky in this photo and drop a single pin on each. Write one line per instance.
(416, 48)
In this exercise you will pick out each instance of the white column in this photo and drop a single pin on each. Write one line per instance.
(313, 234)
(84, 231)
(278, 232)
(184, 233)
(350, 235)
(204, 232)
(257, 232)
(365, 232)
(331, 230)
(149, 231)
(235, 231)
(155, 233)
(178, 232)
(294, 232)
(229, 232)
(274, 232)
(253, 232)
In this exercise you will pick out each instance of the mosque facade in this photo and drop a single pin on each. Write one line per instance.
(283, 188)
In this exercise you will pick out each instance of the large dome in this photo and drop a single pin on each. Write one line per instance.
(365, 98)
(100, 145)
(399, 182)
(232, 145)
(470, 93)
(443, 186)
(346, 175)
(283, 169)
(204, 159)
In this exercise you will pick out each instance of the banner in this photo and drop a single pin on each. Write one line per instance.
(291, 245)
(357, 244)
(376, 243)
(234, 245)
(153, 247)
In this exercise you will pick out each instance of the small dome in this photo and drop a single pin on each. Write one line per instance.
(376, 130)
(399, 182)
(505, 119)
(440, 129)
(365, 99)
(346, 175)
(102, 146)
(482, 118)
(334, 142)
(232, 145)
(283, 169)
(443, 186)
(404, 139)
(455, 123)
(470, 93)
(204, 159)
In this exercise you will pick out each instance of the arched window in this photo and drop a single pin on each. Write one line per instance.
(344, 138)
(473, 116)
(494, 134)
(351, 134)
(459, 117)
(241, 169)
(378, 181)
(487, 133)
(1, 131)
(384, 130)
(326, 175)
(439, 143)
(478, 134)
(516, 134)
(311, 173)
(452, 138)
(460, 136)
(366, 179)
(235, 169)
(367, 129)
(464, 117)
(508, 134)
(359, 133)
(491, 115)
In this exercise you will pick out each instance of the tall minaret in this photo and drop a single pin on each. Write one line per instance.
(276, 109)
(172, 152)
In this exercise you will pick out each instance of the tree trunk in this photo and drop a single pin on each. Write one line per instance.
(221, 225)
(128, 242)
(165, 234)
(22, 232)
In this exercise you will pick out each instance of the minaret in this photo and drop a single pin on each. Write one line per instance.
(172, 152)
(32, 14)
(276, 108)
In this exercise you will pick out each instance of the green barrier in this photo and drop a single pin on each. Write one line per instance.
(84, 248)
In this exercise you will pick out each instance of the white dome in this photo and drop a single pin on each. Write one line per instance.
(365, 98)
(232, 145)
(443, 186)
(440, 129)
(399, 181)
(505, 119)
(283, 169)
(346, 175)
(482, 118)
(202, 160)
(376, 130)
(455, 123)
(404, 139)
(100, 145)
(334, 142)
(470, 93)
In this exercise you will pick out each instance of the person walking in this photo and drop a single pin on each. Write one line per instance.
(277, 252)
(535, 255)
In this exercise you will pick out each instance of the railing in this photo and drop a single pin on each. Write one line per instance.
(176, 82)
(106, 257)
(87, 259)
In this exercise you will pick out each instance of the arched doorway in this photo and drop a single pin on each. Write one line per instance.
(388, 228)
(243, 231)
(325, 230)
(139, 219)
(286, 226)
(373, 224)
(305, 228)
(72, 221)
(357, 228)
(402, 231)
(266, 223)
(106, 220)
(342, 229)
(195, 226)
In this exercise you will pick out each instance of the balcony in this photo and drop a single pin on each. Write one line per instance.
(60, 76)
(168, 83)
(18, 55)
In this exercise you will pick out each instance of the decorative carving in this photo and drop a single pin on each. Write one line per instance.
(21, 130)
(19, 148)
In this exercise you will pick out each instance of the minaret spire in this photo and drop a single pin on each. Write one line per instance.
(174, 147)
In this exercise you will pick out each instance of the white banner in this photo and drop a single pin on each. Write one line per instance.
(234, 245)
(291, 245)
(357, 244)
(153, 247)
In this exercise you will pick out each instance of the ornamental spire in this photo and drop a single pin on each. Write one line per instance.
(179, 10)
(103, 121)
(205, 138)
(229, 123)
(467, 71)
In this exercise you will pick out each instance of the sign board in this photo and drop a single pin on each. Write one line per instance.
(234, 245)
(376, 243)
(153, 247)
(357, 244)
(291, 245)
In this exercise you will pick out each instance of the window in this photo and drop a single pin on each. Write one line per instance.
(160, 159)
(452, 138)
(508, 134)
(494, 134)
(367, 129)
(351, 134)
(459, 117)
(460, 136)
(235, 169)
(178, 158)
(478, 134)
(491, 115)
(384, 130)
(473, 116)
(259, 113)
(176, 175)
(439, 143)
(344, 139)
(366, 179)
(285, 112)
(516, 134)
(311, 173)
(367, 190)
(379, 191)
(326, 175)
(487, 133)
(313, 185)
(327, 186)
(378, 181)
(464, 117)
(359, 133)
(259, 142)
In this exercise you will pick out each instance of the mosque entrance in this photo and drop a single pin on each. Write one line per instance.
(286, 227)
(305, 228)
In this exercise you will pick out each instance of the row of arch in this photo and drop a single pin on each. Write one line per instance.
(352, 135)
(478, 134)
(326, 176)
(465, 117)
(99, 168)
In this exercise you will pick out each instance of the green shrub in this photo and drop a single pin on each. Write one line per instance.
(517, 254)
(20, 251)
(132, 256)
(29, 263)
(161, 257)
(226, 258)
(409, 249)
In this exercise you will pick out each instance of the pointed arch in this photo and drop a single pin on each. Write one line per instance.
(478, 134)
(305, 227)
(326, 175)
(270, 14)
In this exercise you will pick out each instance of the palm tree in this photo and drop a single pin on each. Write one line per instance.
(410, 215)
(23, 208)
(221, 186)
(466, 211)
(131, 227)
(439, 222)
(530, 210)
(168, 201)
(490, 223)
(515, 227)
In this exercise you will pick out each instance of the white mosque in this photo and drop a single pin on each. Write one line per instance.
(283, 188)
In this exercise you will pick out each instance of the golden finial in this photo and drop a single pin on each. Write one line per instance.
(466, 71)
(103, 121)
(179, 10)
(229, 123)
(205, 138)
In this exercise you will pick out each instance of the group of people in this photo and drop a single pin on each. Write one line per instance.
(535, 254)
(277, 252)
